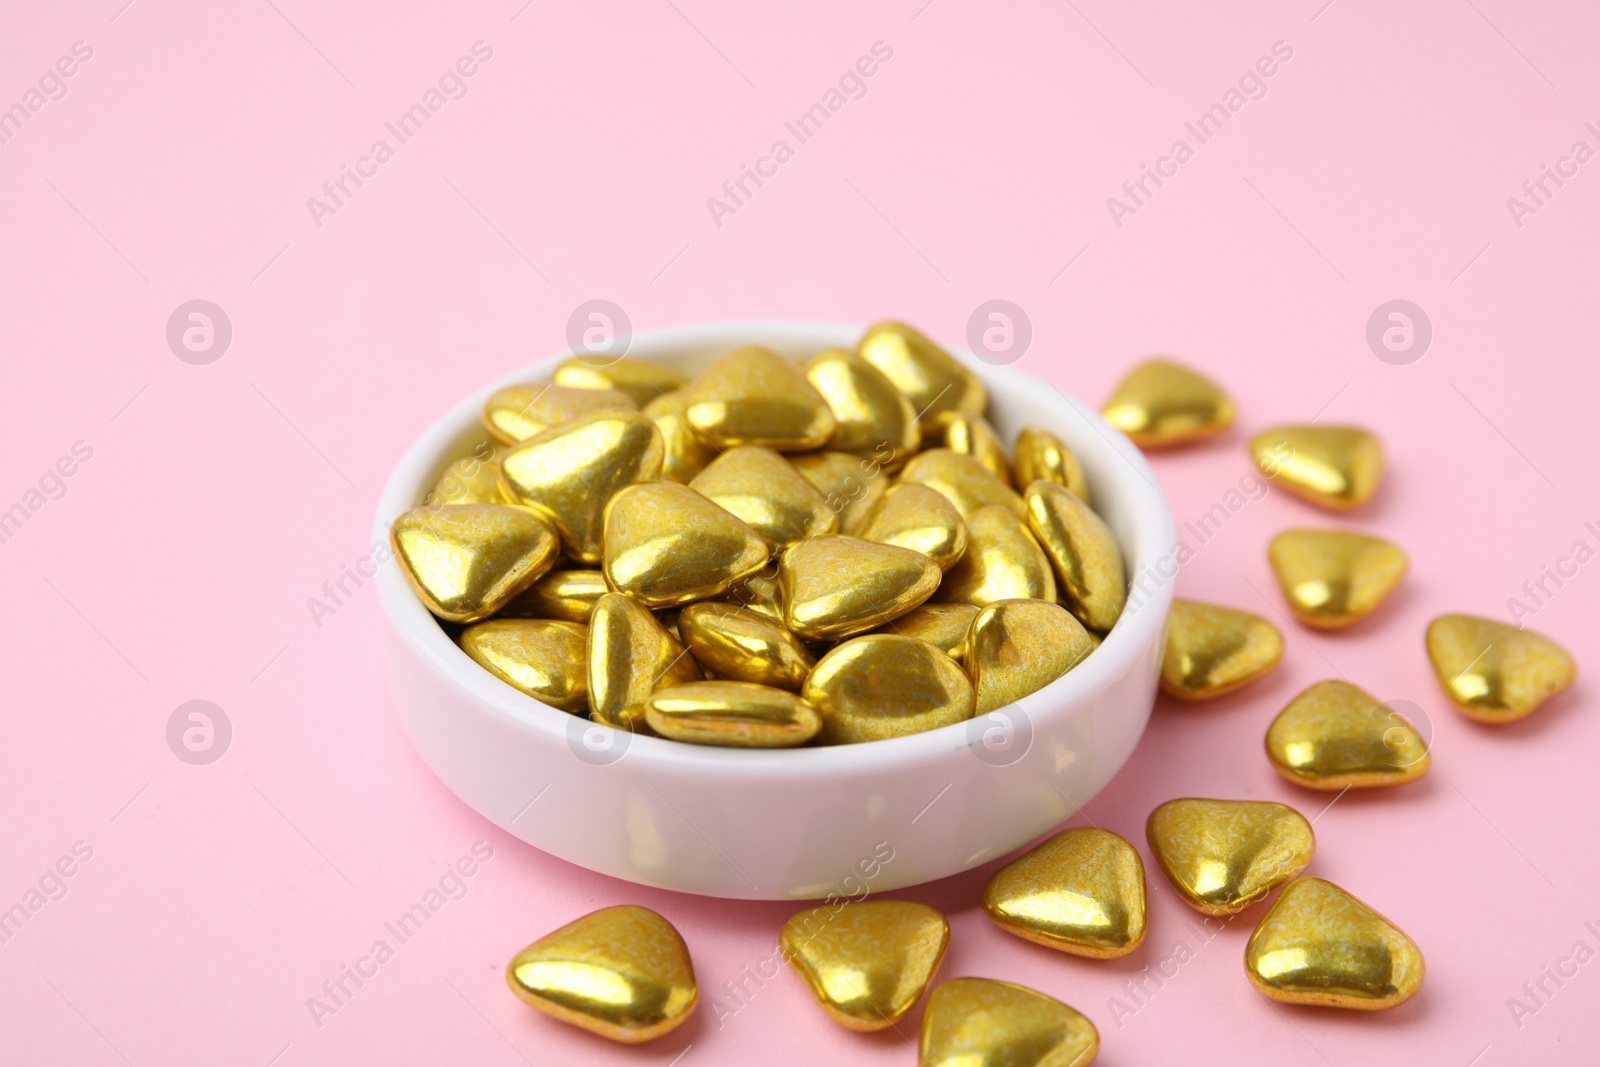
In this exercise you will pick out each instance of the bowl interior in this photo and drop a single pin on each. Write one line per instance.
(1123, 488)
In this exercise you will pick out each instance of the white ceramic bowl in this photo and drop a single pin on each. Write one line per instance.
(802, 823)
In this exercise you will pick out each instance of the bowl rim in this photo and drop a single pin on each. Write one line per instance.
(1154, 537)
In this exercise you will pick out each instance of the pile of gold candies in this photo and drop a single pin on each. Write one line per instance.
(778, 552)
(1082, 891)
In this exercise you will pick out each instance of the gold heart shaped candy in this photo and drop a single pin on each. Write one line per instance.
(466, 561)
(754, 396)
(519, 412)
(1002, 561)
(1212, 650)
(980, 1022)
(882, 685)
(1319, 945)
(965, 482)
(867, 962)
(836, 586)
(916, 517)
(742, 646)
(764, 489)
(1335, 578)
(1224, 855)
(1336, 467)
(666, 545)
(1041, 455)
(1017, 647)
(543, 658)
(560, 594)
(936, 383)
(622, 972)
(944, 626)
(731, 714)
(570, 471)
(473, 479)
(1081, 891)
(643, 380)
(1494, 673)
(872, 417)
(1083, 551)
(630, 655)
(971, 435)
(1161, 404)
(1337, 736)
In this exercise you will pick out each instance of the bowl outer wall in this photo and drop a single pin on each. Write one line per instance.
(789, 824)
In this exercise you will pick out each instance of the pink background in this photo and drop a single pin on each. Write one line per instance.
(219, 498)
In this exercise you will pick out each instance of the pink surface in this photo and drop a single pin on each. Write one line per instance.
(218, 499)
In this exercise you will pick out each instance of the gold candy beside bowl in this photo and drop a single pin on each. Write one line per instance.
(763, 821)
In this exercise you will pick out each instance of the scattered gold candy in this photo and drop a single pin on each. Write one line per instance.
(744, 647)
(867, 962)
(933, 380)
(1337, 467)
(1002, 562)
(916, 517)
(1224, 855)
(851, 485)
(980, 1022)
(762, 488)
(872, 417)
(473, 479)
(686, 453)
(569, 472)
(1335, 578)
(1495, 673)
(943, 626)
(882, 685)
(665, 545)
(1082, 892)
(562, 594)
(630, 655)
(733, 714)
(621, 972)
(466, 561)
(519, 412)
(643, 380)
(543, 658)
(1083, 551)
(1041, 456)
(1319, 945)
(1337, 736)
(1160, 404)
(971, 435)
(1212, 650)
(1017, 647)
(836, 586)
(754, 396)
(965, 482)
